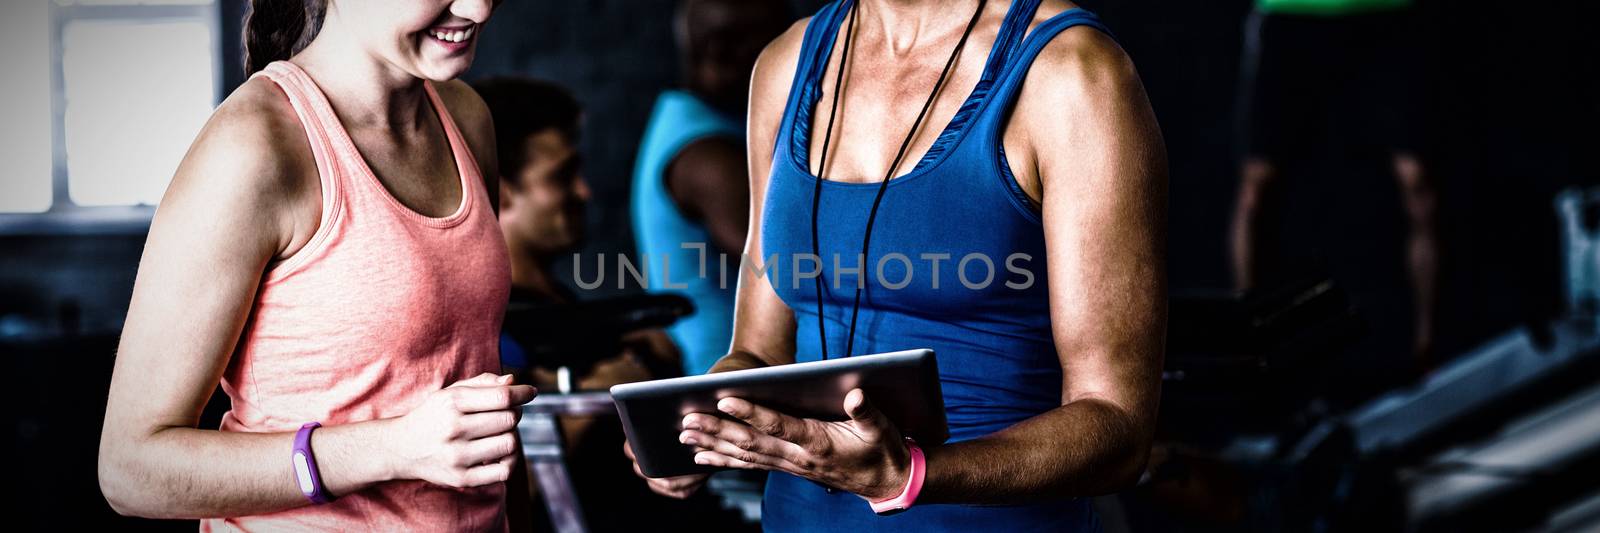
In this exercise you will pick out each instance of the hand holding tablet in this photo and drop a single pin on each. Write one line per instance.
(899, 394)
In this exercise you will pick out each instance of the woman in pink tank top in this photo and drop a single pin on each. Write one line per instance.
(327, 252)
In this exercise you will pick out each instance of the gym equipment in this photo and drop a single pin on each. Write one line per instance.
(578, 335)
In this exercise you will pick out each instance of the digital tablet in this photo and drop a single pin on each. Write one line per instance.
(903, 385)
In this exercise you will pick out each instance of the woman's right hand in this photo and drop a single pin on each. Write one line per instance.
(679, 487)
(462, 435)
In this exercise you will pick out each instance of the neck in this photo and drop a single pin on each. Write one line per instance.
(366, 91)
(903, 24)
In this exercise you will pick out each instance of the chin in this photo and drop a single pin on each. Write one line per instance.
(447, 70)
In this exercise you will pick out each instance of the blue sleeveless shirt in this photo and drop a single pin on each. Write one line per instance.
(957, 264)
(661, 230)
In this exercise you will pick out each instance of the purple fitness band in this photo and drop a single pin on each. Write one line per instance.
(305, 466)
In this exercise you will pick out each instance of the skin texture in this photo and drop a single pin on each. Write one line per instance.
(1084, 143)
(246, 196)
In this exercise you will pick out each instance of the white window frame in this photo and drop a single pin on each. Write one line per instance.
(65, 216)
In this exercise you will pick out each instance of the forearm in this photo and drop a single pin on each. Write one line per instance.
(193, 473)
(1084, 448)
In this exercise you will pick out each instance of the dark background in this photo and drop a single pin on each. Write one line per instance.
(1510, 111)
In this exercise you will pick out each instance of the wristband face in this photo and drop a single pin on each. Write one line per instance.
(305, 466)
(914, 478)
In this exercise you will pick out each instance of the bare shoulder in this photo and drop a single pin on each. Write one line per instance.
(784, 51)
(250, 171)
(253, 144)
(1080, 58)
(1082, 93)
(774, 71)
(1080, 83)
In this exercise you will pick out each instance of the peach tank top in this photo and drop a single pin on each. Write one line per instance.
(381, 307)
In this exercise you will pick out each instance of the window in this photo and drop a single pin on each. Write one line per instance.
(25, 145)
(105, 112)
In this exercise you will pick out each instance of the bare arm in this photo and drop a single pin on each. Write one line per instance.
(1102, 168)
(710, 183)
(239, 200)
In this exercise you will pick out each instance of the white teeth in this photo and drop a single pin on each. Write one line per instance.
(454, 36)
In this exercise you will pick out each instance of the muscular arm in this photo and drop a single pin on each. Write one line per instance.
(710, 183)
(231, 208)
(1098, 157)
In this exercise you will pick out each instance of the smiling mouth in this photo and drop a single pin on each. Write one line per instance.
(457, 35)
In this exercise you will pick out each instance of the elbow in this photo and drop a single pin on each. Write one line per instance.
(120, 484)
(1112, 476)
(114, 486)
(1128, 468)
(1126, 473)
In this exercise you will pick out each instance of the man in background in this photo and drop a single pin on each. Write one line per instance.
(1351, 67)
(691, 187)
(542, 199)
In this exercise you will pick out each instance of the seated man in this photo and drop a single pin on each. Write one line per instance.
(542, 199)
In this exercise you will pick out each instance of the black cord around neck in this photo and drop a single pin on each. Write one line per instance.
(822, 169)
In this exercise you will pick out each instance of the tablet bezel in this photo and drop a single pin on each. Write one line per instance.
(903, 385)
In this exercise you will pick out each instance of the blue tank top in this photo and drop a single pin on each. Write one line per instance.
(957, 264)
(661, 230)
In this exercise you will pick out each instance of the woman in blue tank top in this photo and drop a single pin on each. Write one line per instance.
(1020, 237)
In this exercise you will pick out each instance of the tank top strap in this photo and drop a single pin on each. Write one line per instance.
(315, 113)
(815, 47)
(466, 162)
(985, 143)
(316, 116)
(1017, 64)
(1006, 42)
(820, 35)
(343, 169)
(1010, 37)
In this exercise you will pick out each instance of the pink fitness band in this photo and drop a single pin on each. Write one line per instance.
(919, 467)
(305, 466)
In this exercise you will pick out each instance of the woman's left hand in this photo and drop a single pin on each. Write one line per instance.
(864, 455)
